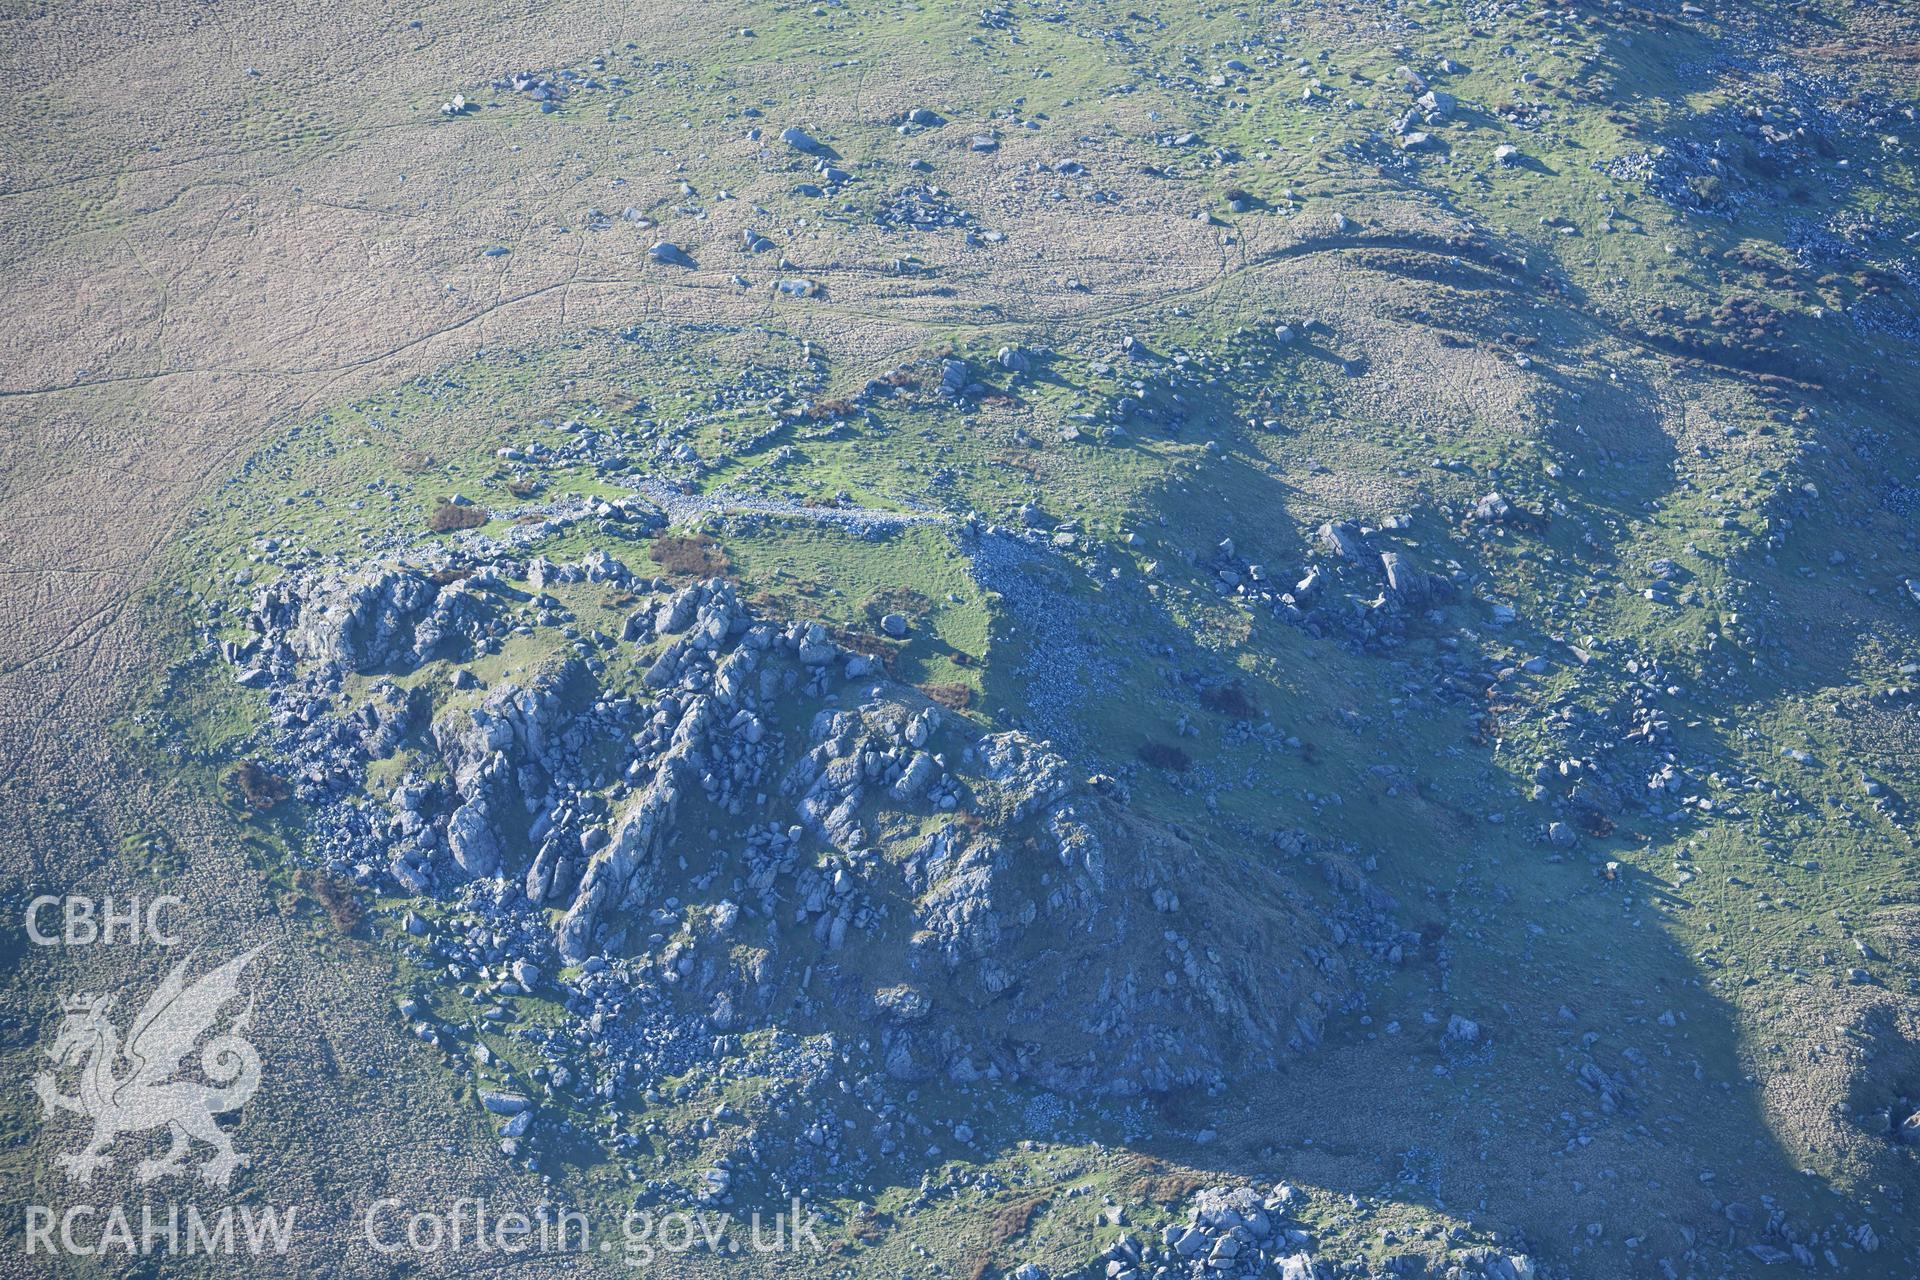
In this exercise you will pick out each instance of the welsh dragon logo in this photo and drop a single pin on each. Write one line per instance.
(132, 1087)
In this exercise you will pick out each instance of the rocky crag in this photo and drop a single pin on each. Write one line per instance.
(714, 823)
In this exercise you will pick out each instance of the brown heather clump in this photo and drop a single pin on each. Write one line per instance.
(1230, 700)
(840, 408)
(260, 789)
(954, 697)
(448, 516)
(335, 896)
(697, 557)
(1009, 1223)
(1160, 755)
(863, 642)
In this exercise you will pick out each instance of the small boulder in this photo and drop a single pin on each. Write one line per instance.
(800, 140)
(1492, 509)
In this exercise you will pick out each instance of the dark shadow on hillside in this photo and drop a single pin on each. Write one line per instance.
(1605, 1083)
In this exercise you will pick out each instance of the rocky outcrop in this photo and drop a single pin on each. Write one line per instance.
(615, 876)
(523, 727)
(1231, 1232)
(471, 837)
(874, 750)
(1027, 774)
(984, 910)
(365, 620)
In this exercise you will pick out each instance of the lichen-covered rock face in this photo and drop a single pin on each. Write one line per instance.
(960, 898)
